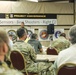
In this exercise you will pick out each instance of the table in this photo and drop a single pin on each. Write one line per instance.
(47, 57)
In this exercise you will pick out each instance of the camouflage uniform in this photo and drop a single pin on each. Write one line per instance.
(60, 44)
(3, 67)
(5, 70)
(30, 57)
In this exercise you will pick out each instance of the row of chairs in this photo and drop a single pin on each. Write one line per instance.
(17, 60)
(65, 69)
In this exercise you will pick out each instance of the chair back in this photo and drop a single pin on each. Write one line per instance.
(67, 69)
(51, 51)
(17, 60)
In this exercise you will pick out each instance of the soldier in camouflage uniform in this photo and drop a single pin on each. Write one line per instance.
(60, 43)
(11, 72)
(29, 54)
(67, 55)
(5, 70)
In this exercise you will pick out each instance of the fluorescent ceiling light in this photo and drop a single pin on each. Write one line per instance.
(32, 0)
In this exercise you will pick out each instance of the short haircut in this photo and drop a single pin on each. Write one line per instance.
(22, 22)
(21, 32)
(72, 34)
(34, 36)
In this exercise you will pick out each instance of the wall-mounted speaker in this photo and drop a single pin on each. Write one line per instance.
(71, 1)
(50, 29)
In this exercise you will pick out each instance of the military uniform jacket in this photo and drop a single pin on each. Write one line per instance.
(30, 57)
(27, 50)
(60, 44)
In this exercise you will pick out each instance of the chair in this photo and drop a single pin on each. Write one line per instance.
(18, 62)
(67, 69)
(51, 51)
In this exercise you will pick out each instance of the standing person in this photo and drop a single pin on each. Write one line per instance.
(67, 55)
(60, 43)
(29, 53)
(34, 42)
(23, 26)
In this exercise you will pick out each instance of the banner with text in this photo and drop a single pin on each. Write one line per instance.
(28, 19)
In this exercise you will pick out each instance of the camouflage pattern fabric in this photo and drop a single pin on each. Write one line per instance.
(30, 57)
(3, 67)
(12, 72)
(60, 44)
(5, 70)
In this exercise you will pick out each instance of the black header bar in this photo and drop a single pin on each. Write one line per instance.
(28, 16)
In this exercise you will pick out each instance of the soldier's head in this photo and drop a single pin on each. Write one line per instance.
(63, 35)
(21, 33)
(72, 34)
(34, 36)
(22, 24)
(11, 72)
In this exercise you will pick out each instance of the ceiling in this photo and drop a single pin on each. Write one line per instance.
(50, 0)
(43, 0)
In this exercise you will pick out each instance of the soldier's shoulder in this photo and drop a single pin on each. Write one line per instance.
(11, 72)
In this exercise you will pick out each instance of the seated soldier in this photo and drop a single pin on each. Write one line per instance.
(60, 43)
(11, 72)
(29, 53)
